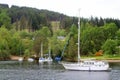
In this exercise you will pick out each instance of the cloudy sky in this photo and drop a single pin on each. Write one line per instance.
(96, 8)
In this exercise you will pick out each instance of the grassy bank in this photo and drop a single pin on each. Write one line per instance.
(109, 58)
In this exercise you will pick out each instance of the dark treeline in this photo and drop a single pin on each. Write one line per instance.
(23, 29)
(35, 18)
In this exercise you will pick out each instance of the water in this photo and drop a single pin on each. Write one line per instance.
(13, 70)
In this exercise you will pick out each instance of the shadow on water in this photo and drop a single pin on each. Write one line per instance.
(13, 70)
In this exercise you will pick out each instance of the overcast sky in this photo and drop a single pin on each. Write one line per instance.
(97, 8)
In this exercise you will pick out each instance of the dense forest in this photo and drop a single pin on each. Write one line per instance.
(23, 29)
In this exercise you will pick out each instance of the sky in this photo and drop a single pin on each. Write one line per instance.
(88, 8)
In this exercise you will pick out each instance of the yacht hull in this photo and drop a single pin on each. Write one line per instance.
(86, 67)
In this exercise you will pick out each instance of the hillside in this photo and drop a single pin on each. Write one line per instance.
(33, 19)
(23, 29)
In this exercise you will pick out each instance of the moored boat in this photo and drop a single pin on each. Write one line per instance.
(86, 65)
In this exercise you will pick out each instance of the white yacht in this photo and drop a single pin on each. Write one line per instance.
(85, 65)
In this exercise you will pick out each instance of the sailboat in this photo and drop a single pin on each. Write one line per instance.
(49, 59)
(30, 59)
(20, 59)
(41, 59)
(88, 64)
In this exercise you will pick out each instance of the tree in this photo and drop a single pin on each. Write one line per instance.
(5, 19)
(117, 37)
(71, 51)
(92, 39)
(60, 32)
(109, 30)
(101, 22)
(41, 36)
(56, 46)
(5, 39)
(109, 47)
(23, 23)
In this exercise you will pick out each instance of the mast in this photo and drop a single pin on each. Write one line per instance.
(41, 49)
(79, 37)
(49, 55)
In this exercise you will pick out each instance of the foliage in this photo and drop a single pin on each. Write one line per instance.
(110, 30)
(27, 53)
(109, 47)
(41, 37)
(5, 39)
(23, 30)
(117, 37)
(4, 19)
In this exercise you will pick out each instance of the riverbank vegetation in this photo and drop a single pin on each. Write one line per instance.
(23, 29)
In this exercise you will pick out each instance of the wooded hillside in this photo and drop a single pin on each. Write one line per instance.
(23, 29)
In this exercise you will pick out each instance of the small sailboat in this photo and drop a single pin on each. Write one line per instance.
(49, 59)
(20, 59)
(86, 65)
(41, 59)
(30, 59)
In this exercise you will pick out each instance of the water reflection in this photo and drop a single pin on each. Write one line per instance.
(75, 75)
(115, 73)
(13, 70)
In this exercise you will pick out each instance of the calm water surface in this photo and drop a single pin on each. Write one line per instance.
(13, 70)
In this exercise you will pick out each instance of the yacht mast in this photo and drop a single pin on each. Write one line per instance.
(79, 37)
(49, 55)
(41, 49)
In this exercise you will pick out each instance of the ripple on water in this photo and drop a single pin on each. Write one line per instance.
(16, 71)
(33, 71)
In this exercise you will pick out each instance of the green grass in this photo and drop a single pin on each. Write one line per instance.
(104, 57)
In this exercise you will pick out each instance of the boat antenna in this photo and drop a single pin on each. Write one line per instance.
(79, 36)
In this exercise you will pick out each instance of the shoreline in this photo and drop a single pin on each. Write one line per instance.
(112, 60)
(108, 60)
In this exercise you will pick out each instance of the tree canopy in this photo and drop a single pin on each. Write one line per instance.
(24, 29)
